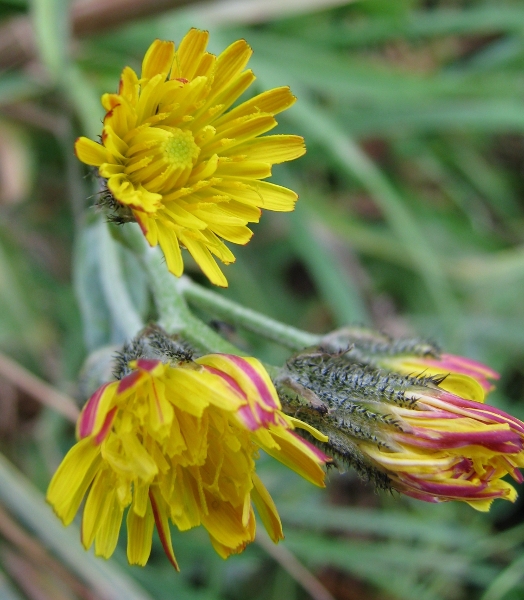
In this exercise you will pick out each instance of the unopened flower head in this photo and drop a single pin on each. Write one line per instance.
(188, 169)
(178, 443)
(464, 377)
(407, 433)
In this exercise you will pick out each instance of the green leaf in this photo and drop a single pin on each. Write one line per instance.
(317, 124)
(107, 309)
(385, 524)
(7, 591)
(15, 87)
(51, 26)
(337, 287)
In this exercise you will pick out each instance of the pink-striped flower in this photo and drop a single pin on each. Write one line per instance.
(408, 433)
(443, 447)
(178, 444)
(465, 377)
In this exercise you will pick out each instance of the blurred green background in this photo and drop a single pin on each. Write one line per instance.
(410, 219)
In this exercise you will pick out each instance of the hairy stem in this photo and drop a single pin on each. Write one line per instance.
(238, 315)
(174, 314)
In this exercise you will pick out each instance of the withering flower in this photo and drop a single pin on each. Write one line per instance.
(178, 443)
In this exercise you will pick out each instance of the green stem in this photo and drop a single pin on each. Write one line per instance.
(238, 315)
(174, 314)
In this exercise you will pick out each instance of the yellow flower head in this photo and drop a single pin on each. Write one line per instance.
(179, 443)
(189, 169)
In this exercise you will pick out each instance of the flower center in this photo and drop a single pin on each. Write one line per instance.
(180, 149)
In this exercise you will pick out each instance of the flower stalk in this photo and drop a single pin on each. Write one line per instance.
(240, 316)
(174, 314)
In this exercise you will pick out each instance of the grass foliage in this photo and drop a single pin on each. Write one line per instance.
(411, 218)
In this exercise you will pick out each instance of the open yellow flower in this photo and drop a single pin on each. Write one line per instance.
(189, 169)
(179, 443)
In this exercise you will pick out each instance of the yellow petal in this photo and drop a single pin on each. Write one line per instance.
(457, 383)
(183, 217)
(109, 101)
(204, 170)
(140, 497)
(148, 226)
(192, 391)
(266, 509)
(217, 105)
(108, 170)
(298, 424)
(273, 149)
(271, 102)
(229, 64)
(222, 551)
(297, 457)
(114, 144)
(109, 528)
(104, 405)
(139, 536)
(237, 131)
(464, 386)
(259, 193)
(138, 460)
(244, 169)
(96, 505)
(150, 96)
(73, 478)
(232, 233)
(213, 214)
(205, 261)
(118, 119)
(137, 197)
(129, 86)
(249, 374)
(217, 247)
(206, 66)
(250, 214)
(90, 152)
(481, 505)
(160, 409)
(190, 52)
(224, 522)
(170, 247)
(158, 59)
(185, 509)
(162, 524)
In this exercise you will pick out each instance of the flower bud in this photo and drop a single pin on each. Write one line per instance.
(406, 433)
(409, 356)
